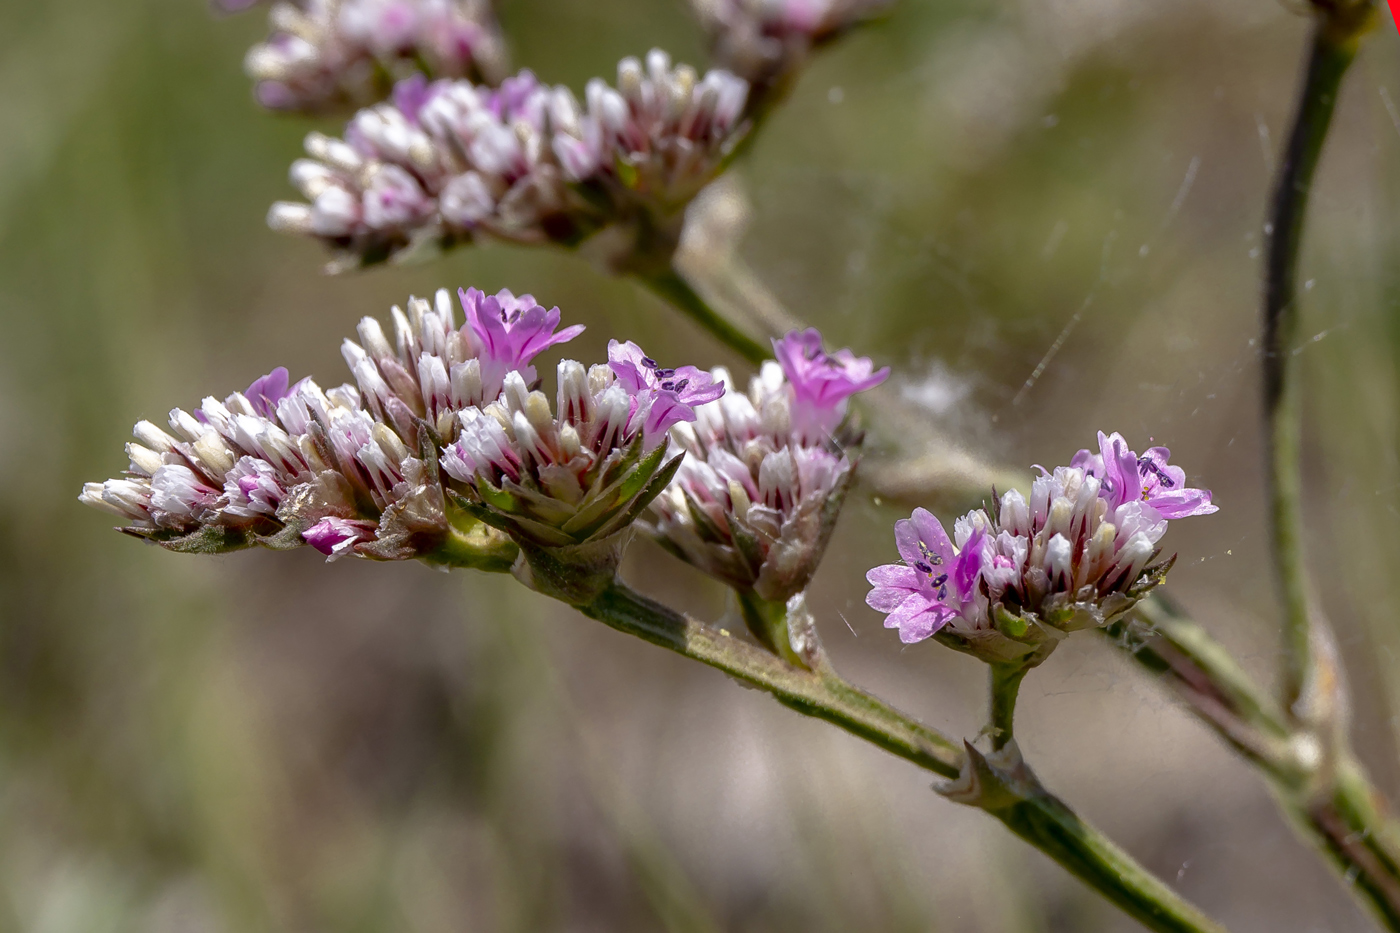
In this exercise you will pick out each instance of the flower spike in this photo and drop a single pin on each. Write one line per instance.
(352, 470)
(448, 162)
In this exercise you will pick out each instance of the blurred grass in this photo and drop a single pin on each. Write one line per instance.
(265, 742)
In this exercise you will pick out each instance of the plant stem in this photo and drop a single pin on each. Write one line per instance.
(1005, 682)
(767, 621)
(1333, 48)
(1333, 804)
(672, 288)
(1048, 824)
(821, 695)
(1039, 818)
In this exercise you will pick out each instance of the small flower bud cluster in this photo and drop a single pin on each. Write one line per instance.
(584, 471)
(448, 161)
(349, 470)
(1015, 580)
(326, 55)
(767, 41)
(756, 500)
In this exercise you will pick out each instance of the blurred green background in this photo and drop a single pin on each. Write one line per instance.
(265, 742)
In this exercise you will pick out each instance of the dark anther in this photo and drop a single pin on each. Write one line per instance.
(669, 386)
(941, 579)
(648, 362)
(665, 373)
(1145, 463)
(922, 567)
(680, 386)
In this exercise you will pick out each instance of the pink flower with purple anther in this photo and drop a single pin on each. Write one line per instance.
(506, 333)
(661, 397)
(933, 584)
(1127, 476)
(337, 537)
(1077, 555)
(822, 383)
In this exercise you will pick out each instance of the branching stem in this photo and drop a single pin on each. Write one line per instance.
(1037, 817)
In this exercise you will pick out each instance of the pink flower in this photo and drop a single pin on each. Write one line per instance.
(822, 383)
(661, 397)
(929, 589)
(1126, 477)
(506, 333)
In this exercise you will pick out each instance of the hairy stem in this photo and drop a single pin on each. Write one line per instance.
(1333, 49)
(1039, 818)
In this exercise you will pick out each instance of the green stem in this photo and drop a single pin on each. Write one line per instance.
(1039, 818)
(1333, 804)
(1334, 43)
(672, 288)
(1048, 824)
(769, 624)
(1005, 685)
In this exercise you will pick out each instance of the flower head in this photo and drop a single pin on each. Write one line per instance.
(566, 484)
(756, 499)
(352, 470)
(766, 42)
(325, 55)
(1014, 580)
(821, 382)
(583, 473)
(448, 162)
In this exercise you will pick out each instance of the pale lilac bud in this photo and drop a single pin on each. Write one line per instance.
(337, 537)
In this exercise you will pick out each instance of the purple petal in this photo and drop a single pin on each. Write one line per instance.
(893, 575)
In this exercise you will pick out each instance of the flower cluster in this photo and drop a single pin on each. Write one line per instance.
(329, 54)
(349, 470)
(767, 41)
(584, 473)
(755, 501)
(1015, 580)
(447, 161)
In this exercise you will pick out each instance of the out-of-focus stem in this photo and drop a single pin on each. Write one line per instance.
(1329, 799)
(1033, 814)
(1336, 33)
(672, 288)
